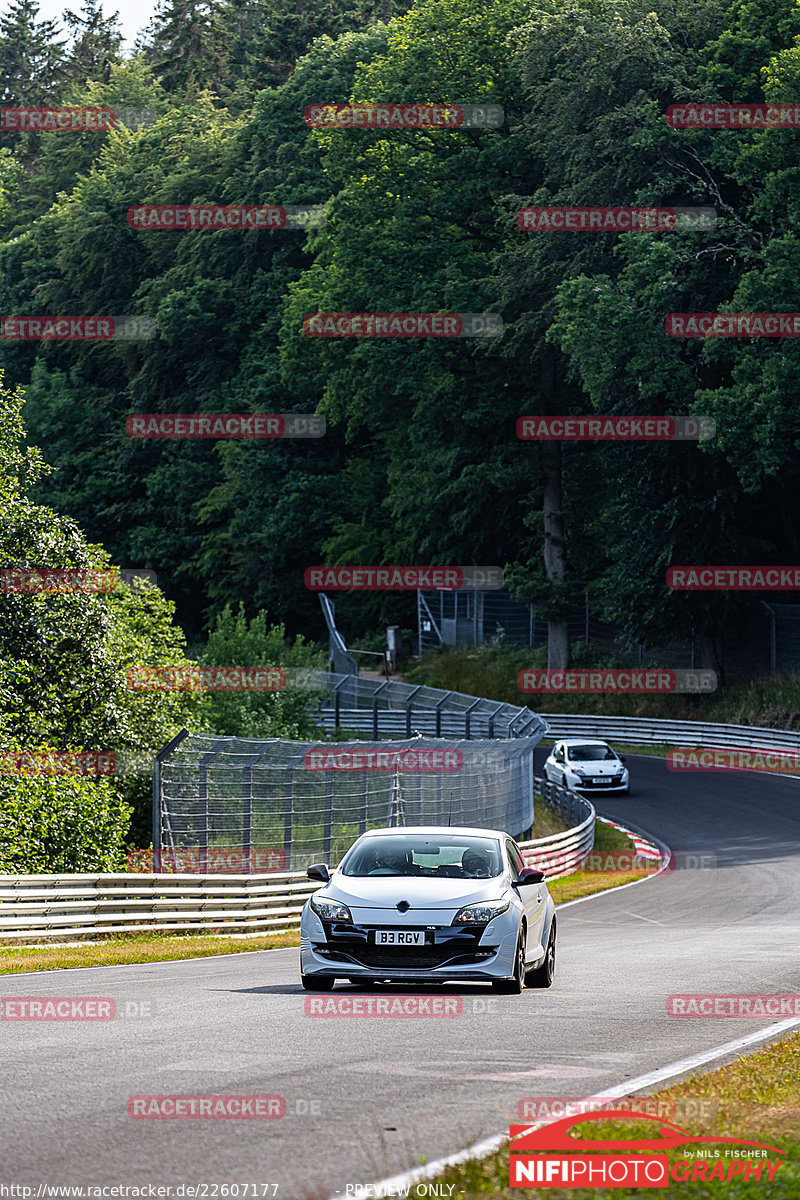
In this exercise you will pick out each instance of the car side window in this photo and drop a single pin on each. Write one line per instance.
(559, 754)
(515, 860)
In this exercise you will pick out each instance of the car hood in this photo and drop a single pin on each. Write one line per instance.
(385, 891)
(596, 768)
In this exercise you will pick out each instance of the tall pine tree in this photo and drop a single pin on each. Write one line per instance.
(96, 41)
(31, 57)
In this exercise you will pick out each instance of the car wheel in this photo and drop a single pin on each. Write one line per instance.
(542, 977)
(516, 984)
(318, 983)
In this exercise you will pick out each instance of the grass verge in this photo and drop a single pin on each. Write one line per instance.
(134, 948)
(757, 1098)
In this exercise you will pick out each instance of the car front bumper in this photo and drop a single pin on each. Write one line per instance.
(600, 787)
(348, 951)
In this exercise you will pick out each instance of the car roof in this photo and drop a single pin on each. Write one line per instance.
(436, 830)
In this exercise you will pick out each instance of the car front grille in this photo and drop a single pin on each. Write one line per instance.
(463, 948)
(418, 958)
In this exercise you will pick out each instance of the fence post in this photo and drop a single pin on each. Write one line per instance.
(443, 700)
(408, 710)
(157, 763)
(467, 716)
(375, 696)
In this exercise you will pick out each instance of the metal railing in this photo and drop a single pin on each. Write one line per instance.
(560, 854)
(69, 906)
(646, 731)
(393, 709)
(51, 906)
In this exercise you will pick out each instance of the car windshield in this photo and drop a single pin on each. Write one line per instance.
(590, 753)
(448, 856)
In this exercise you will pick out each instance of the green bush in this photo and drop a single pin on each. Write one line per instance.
(59, 824)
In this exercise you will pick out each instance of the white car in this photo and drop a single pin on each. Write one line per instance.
(429, 904)
(587, 765)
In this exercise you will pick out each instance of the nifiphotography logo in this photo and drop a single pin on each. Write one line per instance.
(623, 1162)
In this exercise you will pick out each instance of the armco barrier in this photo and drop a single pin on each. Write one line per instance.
(39, 907)
(645, 731)
(71, 905)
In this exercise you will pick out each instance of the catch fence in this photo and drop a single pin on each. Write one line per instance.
(227, 803)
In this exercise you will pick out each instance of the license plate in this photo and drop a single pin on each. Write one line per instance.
(399, 937)
(600, 779)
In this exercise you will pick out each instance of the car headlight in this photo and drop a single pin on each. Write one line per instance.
(480, 914)
(330, 910)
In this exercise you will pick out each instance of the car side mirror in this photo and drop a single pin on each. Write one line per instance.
(320, 872)
(621, 758)
(530, 875)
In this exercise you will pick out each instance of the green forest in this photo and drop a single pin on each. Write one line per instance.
(420, 461)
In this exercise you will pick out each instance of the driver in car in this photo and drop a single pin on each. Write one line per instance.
(474, 865)
(394, 862)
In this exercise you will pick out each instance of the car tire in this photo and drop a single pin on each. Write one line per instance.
(318, 983)
(542, 977)
(516, 984)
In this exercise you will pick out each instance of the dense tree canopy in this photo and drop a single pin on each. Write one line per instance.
(420, 462)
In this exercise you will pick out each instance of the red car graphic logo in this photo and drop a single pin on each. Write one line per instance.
(555, 1136)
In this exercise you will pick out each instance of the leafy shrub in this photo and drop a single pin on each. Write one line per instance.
(59, 824)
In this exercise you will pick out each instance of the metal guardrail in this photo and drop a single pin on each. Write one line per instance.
(70, 906)
(49, 906)
(560, 854)
(646, 731)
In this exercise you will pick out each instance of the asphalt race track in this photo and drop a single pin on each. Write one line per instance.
(368, 1097)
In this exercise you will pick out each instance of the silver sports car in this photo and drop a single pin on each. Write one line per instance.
(429, 905)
